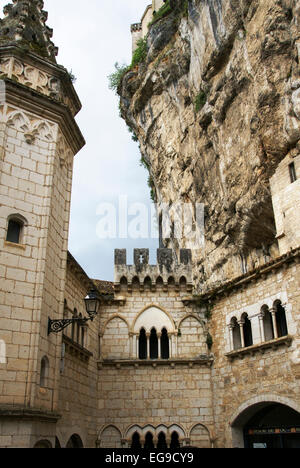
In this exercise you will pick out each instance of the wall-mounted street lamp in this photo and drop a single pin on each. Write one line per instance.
(92, 304)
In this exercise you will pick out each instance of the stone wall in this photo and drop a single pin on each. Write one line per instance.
(153, 394)
(268, 370)
(78, 368)
(285, 187)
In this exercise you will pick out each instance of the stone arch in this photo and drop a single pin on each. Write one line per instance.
(123, 283)
(43, 130)
(110, 437)
(159, 282)
(75, 441)
(247, 409)
(43, 444)
(191, 337)
(20, 121)
(135, 282)
(153, 316)
(147, 282)
(176, 428)
(199, 436)
(264, 398)
(131, 430)
(115, 339)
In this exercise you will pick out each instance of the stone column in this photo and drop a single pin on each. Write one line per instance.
(273, 313)
(241, 324)
(148, 345)
(262, 328)
(230, 327)
(171, 344)
(159, 345)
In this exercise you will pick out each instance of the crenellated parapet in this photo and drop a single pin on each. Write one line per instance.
(167, 273)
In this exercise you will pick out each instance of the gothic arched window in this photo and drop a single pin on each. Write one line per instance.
(174, 441)
(161, 443)
(153, 344)
(142, 344)
(165, 347)
(135, 442)
(149, 445)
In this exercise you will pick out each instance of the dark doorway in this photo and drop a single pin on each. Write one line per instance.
(274, 426)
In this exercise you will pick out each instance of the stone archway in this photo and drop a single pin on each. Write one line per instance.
(266, 421)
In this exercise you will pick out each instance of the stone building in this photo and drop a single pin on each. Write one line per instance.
(160, 366)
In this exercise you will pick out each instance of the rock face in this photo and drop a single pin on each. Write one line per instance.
(216, 107)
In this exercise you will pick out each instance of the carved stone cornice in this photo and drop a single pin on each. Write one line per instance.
(31, 101)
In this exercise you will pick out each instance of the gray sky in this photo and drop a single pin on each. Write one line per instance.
(91, 37)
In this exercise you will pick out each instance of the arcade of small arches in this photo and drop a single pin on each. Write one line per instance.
(272, 324)
(150, 437)
(160, 283)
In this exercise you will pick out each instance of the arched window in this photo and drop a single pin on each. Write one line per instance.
(267, 323)
(123, 283)
(165, 348)
(15, 229)
(44, 372)
(182, 283)
(142, 344)
(153, 344)
(236, 334)
(161, 443)
(282, 328)
(149, 445)
(147, 283)
(135, 282)
(135, 441)
(247, 330)
(159, 282)
(171, 282)
(174, 441)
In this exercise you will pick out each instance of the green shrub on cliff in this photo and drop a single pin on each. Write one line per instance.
(140, 53)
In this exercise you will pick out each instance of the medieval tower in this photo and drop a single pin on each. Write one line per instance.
(39, 139)
(200, 349)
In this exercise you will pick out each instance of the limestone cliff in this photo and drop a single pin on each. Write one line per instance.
(216, 107)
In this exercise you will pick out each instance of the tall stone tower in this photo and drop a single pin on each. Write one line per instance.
(38, 140)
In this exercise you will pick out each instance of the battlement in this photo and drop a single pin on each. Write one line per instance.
(136, 27)
(140, 30)
(166, 273)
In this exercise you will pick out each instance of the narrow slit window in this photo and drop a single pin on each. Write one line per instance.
(293, 175)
